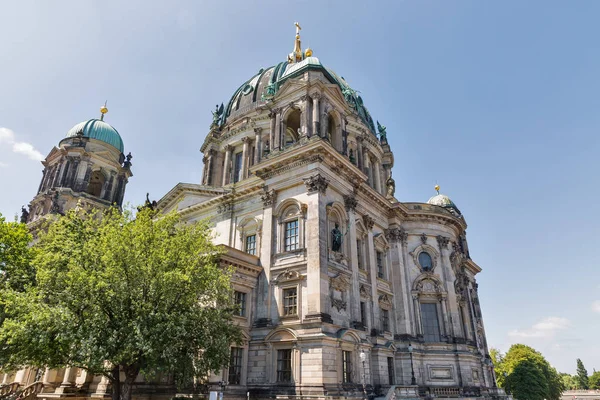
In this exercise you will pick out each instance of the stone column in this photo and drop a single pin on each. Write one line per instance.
(359, 153)
(263, 290)
(68, 380)
(316, 247)
(227, 167)
(245, 156)
(354, 301)
(344, 136)
(257, 145)
(276, 145)
(417, 306)
(367, 168)
(204, 170)
(273, 127)
(377, 176)
(449, 279)
(316, 111)
(372, 264)
(306, 117)
(325, 123)
(401, 300)
(210, 179)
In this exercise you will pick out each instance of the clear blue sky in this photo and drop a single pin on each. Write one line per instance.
(496, 101)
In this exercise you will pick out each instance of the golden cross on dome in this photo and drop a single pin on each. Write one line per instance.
(297, 28)
(103, 110)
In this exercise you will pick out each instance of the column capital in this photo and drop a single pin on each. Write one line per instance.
(442, 241)
(316, 183)
(315, 95)
(258, 130)
(268, 197)
(359, 139)
(228, 148)
(368, 221)
(396, 235)
(246, 139)
(350, 202)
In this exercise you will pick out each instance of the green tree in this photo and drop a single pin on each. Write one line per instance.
(582, 375)
(117, 294)
(527, 381)
(569, 381)
(512, 378)
(594, 380)
(16, 272)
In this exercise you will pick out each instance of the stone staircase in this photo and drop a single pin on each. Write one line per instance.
(13, 391)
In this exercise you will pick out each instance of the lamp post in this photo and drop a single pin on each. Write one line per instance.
(222, 385)
(413, 381)
(363, 358)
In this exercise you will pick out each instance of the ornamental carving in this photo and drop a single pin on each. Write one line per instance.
(350, 202)
(396, 235)
(288, 275)
(368, 221)
(316, 183)
(428, 286)
(385, 301)
(268, 197)
(461, 285)
(246, 139)
(339, 282)
(258, 130)
(338, 304)
(423, 238)
(442, 241)
(364, 292)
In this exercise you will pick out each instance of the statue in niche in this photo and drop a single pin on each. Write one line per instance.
(391, 186)
(336, 238)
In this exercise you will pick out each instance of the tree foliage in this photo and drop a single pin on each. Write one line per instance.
(594, 380)
(582, 375)
(117, 293)
(526, 374)
(16, 272)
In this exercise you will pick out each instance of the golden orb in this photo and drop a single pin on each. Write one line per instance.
(103, 109)
(437, 188)
(308, 52)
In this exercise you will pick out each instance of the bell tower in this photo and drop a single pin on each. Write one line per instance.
(87, 168)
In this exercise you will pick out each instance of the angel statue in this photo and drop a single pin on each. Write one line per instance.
(217, 114)
(382, 133)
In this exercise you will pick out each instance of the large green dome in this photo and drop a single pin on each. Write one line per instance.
(99, 130)
(266, 83)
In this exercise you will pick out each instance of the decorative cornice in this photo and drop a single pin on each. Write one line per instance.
(316, 183)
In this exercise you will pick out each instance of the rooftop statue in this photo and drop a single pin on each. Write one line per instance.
(382, 133)
(217, 114)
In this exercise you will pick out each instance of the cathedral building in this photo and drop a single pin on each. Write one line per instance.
(343, 290)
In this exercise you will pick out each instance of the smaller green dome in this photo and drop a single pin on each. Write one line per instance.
(443, 201)
(99, 130)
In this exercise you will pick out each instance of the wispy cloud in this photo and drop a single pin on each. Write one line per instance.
(8, 137)
(543, 329)
(3, 165)
(596, 306)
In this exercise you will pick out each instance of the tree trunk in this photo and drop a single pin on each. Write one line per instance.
(116, 383)
(131, 373)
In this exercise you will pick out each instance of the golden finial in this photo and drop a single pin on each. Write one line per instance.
(297, 54)
(437, 189)
(103, 110)
(308, 52)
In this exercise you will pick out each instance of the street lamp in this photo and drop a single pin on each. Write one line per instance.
(413, 381)
(363, 358)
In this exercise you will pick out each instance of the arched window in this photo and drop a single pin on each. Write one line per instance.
(96, 183)
(292, 128)
(425, 261)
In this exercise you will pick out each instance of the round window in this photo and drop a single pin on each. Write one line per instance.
(425, 261)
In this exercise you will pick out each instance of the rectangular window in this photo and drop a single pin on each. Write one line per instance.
(240, 302)
(380, 266)
(290, 301)
(291, 235)
(235, 366)
(284, 365)
(359, 254)
(237, 170)
(431, 324)
(251, 244)
(385, 320)
(390, 365)
(363, 313)
(346, 366)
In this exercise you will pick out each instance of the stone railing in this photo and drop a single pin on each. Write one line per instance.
(401, 392)
(30, 392)
(7, 391)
